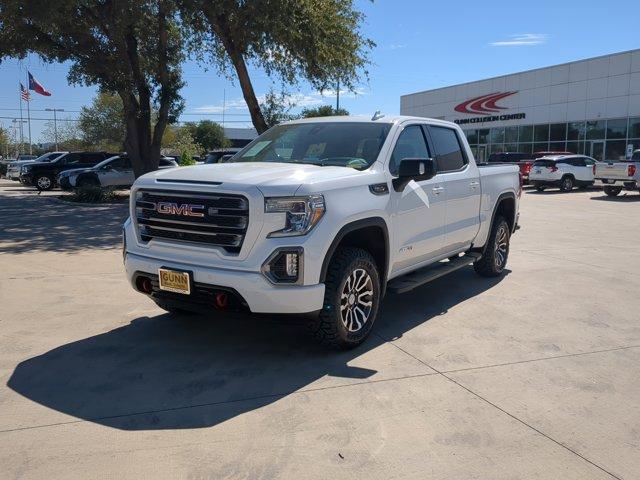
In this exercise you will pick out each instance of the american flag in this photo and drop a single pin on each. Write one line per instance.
(24, 93)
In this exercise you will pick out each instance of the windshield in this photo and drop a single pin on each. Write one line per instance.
(342, 144)
(47, 157)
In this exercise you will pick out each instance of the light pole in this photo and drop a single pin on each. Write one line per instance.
(55, 122)
(15, 135)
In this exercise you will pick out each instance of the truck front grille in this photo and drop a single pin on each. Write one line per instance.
(214, 219)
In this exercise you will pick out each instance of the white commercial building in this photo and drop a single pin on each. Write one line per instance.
(589, 107)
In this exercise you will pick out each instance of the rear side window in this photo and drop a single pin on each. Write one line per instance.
(449, 155)
(544, 163)
(410, 144)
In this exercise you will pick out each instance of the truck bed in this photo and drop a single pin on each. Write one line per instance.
(617, 171)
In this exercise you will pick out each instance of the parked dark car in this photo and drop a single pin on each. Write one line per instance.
(43, 175)
(215, 156)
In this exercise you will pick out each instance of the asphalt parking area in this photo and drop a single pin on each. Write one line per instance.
(533, 375)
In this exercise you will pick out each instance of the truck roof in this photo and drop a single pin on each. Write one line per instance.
(367, 119)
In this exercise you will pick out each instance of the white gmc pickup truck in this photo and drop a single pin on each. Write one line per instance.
(321, 216)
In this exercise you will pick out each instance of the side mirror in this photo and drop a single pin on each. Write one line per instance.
(414, 169)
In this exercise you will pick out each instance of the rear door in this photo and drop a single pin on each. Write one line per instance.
(418, 222)
(460, 179)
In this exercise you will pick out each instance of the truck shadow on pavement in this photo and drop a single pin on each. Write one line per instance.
(44, 224)
(627, 197)
(170, 372)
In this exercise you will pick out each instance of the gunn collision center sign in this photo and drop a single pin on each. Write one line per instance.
(486, 104)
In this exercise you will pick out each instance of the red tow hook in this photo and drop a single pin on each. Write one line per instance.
(222, 300)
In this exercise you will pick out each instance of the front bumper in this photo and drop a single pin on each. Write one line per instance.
(258, 293)
(64, 183)
(627, 184)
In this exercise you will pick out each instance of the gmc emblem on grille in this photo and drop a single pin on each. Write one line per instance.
(185, 209)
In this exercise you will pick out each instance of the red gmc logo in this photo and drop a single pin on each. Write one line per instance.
(185, 209)
(484, 104)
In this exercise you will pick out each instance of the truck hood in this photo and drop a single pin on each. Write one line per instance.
(271, 178)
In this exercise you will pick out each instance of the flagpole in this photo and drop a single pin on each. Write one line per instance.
(29, 117)
(21, 120)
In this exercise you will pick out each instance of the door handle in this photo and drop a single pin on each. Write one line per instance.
(474, 184)
(438, 190)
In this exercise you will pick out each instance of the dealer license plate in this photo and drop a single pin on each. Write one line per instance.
(174, 281)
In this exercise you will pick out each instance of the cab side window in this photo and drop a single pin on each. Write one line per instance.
(411, 144)
(449, 156)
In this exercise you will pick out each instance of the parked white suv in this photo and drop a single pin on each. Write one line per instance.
(562, 171)
(321, 216)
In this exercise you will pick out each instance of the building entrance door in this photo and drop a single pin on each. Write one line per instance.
(597, 150)
(481, 155)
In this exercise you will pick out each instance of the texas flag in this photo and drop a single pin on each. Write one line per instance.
(37, 86)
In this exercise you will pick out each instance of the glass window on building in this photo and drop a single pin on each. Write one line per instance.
(558, 132)
(576, 131)
(510, 147)
(595, 130)
(483, 136)
(557, 146)
(472, 136)
(525, 147)
(496, 148)
(541, 147)
(615, 150)
(511, 134)
(541, 133)
(617, 128)
(496, 135)
(634, 127)
(575, 147)
(525, 134)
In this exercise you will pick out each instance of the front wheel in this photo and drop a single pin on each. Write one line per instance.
(43, 182)
(494, 260)
(612, 191)
(351, 299)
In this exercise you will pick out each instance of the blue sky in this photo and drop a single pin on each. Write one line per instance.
(420, 45)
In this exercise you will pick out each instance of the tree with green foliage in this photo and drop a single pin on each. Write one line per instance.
(276, 107)
(319, 41)
(5, 141)
(132, 48)
(102, 123)
(207, 134)
(323, 111)
(66, 133)
(182, 143)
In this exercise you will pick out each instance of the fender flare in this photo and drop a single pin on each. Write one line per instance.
(501, 197)
(352, 227)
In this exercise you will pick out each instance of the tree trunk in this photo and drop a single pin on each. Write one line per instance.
(247, 91)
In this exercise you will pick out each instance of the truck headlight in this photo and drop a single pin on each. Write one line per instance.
(302, 213)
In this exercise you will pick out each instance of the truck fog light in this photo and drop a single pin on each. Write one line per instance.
(284, 266)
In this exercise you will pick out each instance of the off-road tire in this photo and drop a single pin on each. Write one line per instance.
(612, 191)
(488, 265)
(328, 327)
(567, 183)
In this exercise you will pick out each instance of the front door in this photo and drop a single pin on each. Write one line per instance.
(418, 210)
(597, 150)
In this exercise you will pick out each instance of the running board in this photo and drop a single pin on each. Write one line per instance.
(413, 280)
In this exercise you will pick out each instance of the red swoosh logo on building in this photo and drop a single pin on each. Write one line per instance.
(483, 104)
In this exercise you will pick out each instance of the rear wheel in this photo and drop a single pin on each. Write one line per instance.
(43, 182)
(566, 184)
(612, 191)
(494, 260)
(351, 299)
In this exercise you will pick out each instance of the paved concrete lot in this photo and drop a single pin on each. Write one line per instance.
(531, 376)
